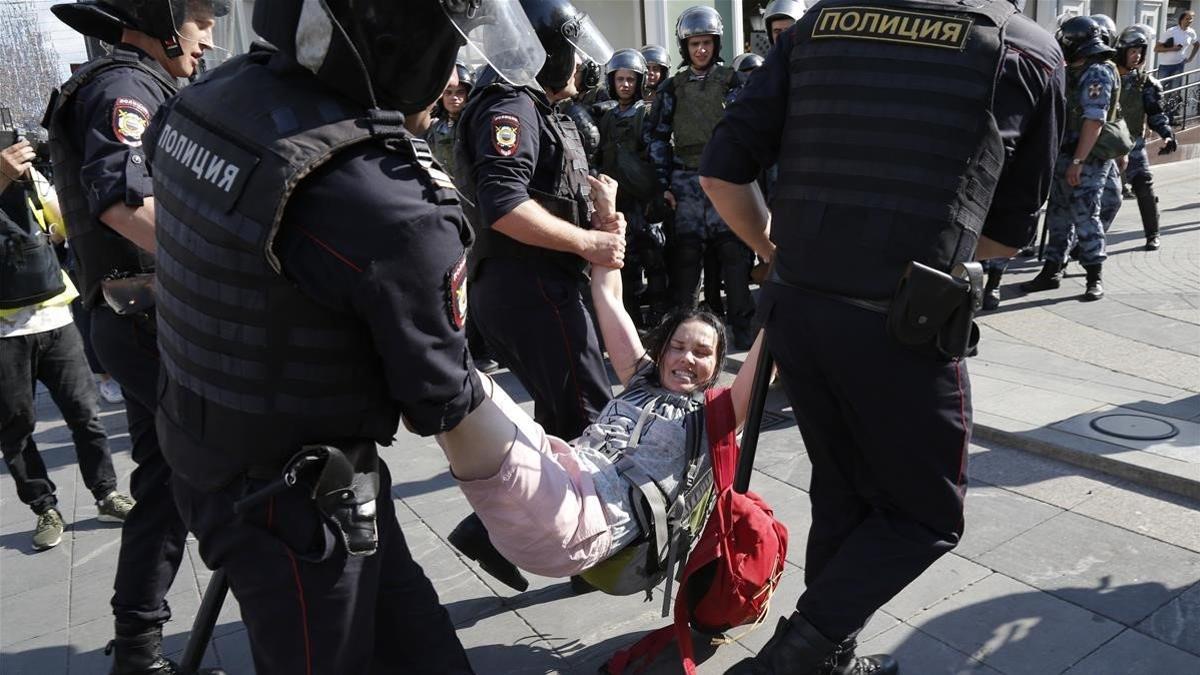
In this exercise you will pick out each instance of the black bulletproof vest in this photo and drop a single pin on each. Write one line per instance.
(566, 197)
(255, 368)
(890, 152)
(98, 250)
(29, 270)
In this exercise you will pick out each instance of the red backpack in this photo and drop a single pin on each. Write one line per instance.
(735, 566)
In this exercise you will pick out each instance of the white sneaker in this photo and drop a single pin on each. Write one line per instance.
(110, 391)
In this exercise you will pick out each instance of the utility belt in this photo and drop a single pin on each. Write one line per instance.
(344, 492)
(931, 312)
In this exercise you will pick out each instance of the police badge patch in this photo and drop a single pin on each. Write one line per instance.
(506, 134)
(1094, 90)
(456, 292)
(129, 121)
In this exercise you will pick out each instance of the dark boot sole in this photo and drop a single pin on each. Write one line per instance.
(509, 576)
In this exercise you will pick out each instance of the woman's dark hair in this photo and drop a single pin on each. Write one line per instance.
(659, 338)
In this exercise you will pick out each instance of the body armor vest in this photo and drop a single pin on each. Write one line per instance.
(99, 251)
(1075, 108)
(29, 270)
(890, 152)
(623, 159)
(699, 105)
(1133, 105)
(441, 144)
(254, 367)
(567, 198)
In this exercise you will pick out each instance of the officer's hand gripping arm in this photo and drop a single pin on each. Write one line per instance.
(531, 224)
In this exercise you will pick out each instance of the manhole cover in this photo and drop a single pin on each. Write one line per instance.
(1135, 427)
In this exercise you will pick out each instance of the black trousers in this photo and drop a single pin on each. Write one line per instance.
(310, 608)
(887, 431)
(735, 258)
(535, 320)
(55, 358)
(152, 538)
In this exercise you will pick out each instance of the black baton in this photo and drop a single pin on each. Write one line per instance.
(205, 621)
(754, 415)
(1042, 245)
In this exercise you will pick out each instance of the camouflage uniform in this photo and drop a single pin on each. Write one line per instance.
(440, 138)
(1073, 213)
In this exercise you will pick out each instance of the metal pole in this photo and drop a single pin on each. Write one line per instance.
(206, 620)
(758, 404)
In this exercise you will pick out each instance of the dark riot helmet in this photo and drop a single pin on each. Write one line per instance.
(626, 59)
(744, 63)
(781, 9)
(1079, 37)
(465, 76)
(162, 19)
(566, 34)
(398, 55)
(699, 20)
(656, 55)
(1134, 38)
(1108, 29)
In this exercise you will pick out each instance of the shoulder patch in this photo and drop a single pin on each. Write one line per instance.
(506, 134)
(923, 29)
(456, 292)
(129, 121)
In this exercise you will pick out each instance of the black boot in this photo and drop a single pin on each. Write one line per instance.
(991, 290)
(1094, 290)
(844, 662)
(139, 652)
(796, 649)
(470, 537)
(1050, 277)
(1143, 187)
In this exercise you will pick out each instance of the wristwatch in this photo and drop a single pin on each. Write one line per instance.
(1076, 161)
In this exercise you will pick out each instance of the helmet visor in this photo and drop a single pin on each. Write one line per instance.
(501, 34)
(585, 36)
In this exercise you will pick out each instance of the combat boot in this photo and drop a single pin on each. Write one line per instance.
(1094, 290)
(1049, 278)
(140, 653)
(991, 290)
(844, 662)
(796, 648)
(1148, 207)
(471, 539)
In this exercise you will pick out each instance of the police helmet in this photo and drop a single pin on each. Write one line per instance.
(626, 59)
(565, 33)
(781, 9)
(1079, 37)
(465, 76)
(1135, 38)
(744, 63)
(1108, 29)
(397, 55)
(106, 19)
(699, 20)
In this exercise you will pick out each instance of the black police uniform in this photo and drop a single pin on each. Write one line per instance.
(528, 301)
(304, 314)
(869, 112)
(96, 122)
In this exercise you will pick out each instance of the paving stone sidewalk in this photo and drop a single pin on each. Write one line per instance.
(1063, 569)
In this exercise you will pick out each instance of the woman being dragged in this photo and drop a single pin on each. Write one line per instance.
(557, 508)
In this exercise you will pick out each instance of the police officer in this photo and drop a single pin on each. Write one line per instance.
(745, 64)
(658, 67)
(1073, 213)
(781, 15)
(311, 280)
(97, 122)
(686, 109)
(622, 155)
(886, 426)
(441, 133)
(1110, 199)
(1141, 106)
(525, 177)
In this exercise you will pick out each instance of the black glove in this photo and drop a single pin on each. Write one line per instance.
(1169, 146)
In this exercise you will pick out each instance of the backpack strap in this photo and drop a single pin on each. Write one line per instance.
(721, 424)
(652, 519)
